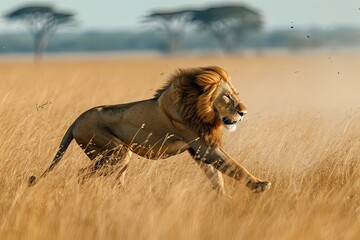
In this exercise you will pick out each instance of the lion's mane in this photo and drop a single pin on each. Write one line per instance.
(194, 91)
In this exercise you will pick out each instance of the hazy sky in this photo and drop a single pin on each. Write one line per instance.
(120, 14)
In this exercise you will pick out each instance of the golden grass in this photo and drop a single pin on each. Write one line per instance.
(302, 133)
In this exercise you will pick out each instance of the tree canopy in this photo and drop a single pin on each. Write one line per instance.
(40, 20)
(229, 24)
(173, 24)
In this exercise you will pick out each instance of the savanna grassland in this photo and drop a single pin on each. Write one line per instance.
(302, 133)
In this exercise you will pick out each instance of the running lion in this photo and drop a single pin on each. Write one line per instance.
(187, 114)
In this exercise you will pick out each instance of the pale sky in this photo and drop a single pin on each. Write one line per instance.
(126, 14)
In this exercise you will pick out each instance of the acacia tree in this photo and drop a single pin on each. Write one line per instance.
(174, 25)
(229, 24)
(40, 21)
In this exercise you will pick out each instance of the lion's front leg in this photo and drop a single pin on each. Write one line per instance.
(220, 160)
(239, 173)
(214, 176)
(257, 185)
(225, 164)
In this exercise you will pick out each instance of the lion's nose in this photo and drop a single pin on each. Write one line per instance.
(242, 113)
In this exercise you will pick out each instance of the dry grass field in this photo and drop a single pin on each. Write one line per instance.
(302, 133)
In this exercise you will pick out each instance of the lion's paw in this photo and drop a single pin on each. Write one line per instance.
(258, 186)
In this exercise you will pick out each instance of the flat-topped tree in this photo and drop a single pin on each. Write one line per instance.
(41, 21)
(229, 24)
(173, 23)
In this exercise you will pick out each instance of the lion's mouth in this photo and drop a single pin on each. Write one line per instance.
(229, 124)
(228, 121)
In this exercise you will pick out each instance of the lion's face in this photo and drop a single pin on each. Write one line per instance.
(228, 106)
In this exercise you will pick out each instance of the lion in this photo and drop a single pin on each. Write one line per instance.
(187, 114)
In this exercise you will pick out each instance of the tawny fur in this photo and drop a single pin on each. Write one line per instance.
(187, 114)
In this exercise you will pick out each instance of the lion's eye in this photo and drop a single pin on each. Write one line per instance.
(227, 98)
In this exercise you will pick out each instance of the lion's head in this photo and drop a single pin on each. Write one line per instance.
(206, 100)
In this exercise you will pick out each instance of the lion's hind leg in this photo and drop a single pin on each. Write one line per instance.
(121, 165)
(109, 162)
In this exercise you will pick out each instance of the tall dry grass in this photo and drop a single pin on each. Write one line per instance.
(302, 133)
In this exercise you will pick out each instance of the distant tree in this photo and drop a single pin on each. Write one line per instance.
(41, 21)
(229, 24)
(174, 25)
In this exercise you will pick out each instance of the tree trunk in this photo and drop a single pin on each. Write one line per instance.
(174, 41)
(224, 40)
(40, 43)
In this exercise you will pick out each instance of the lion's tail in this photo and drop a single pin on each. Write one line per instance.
(68, 137)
